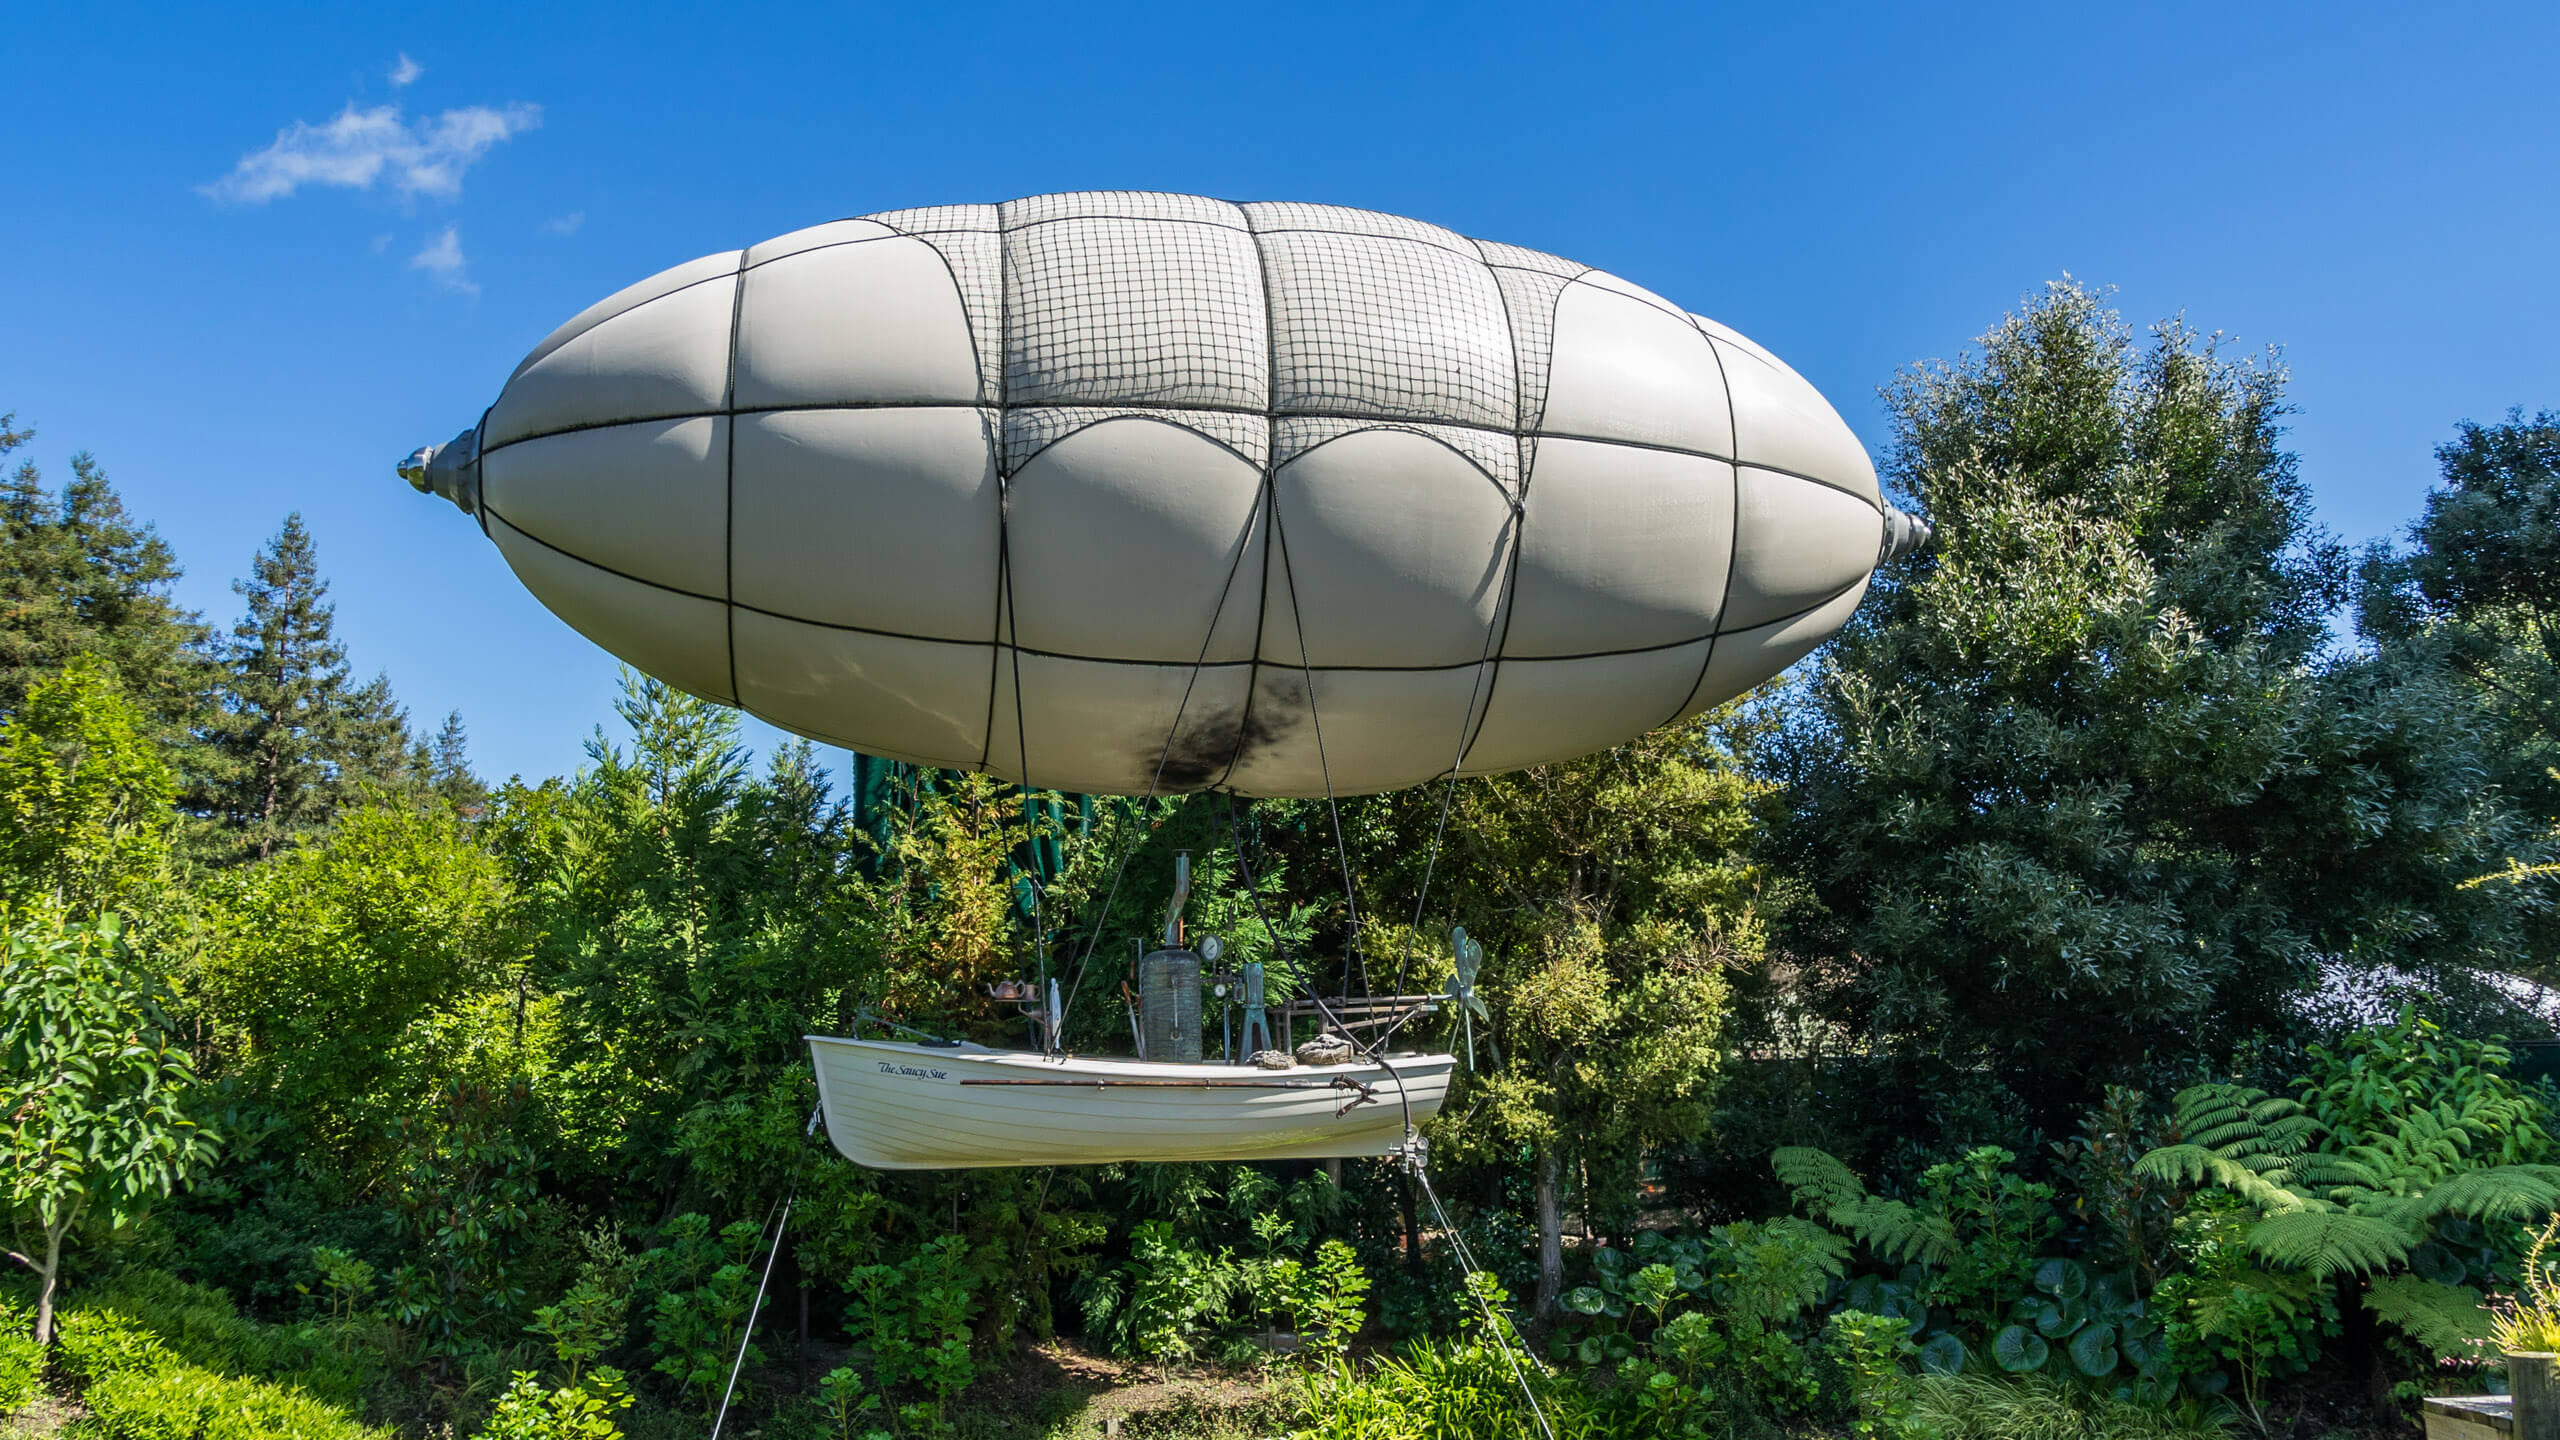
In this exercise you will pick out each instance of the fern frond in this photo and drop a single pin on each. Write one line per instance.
(2239, 1122)
(2324, 1242)
(2501, 1192)
(1901, 1234)
(1829, 1251)
(1819, 1182)
(2447, 1319)
(2340, 1176)
(2196, 1165)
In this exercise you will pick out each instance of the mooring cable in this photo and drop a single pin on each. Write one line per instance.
(1493, 1324)
(753, 1311)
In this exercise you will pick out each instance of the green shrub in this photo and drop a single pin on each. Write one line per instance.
(21, 1359)
(137, 1388)
(1323, 1297)
(201, 1327)
(1871, 1349)
(1461, 1391)
(185, 1403)
(159, 1359)
(581, 1410)
(706, 1287)
(915, 1316)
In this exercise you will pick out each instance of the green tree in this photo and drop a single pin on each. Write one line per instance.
(1611, 894)
(2080, 792)
(682, 909)
(342, 981)
(94, 1092)
(84, 796)
(296, 739)
(2478, 594)
(79, 577)
(443, 765)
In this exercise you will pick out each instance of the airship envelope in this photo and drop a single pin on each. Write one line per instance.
(1120, 492)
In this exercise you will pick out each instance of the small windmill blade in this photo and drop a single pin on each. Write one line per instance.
(1462, 986)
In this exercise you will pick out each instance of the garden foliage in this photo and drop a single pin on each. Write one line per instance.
(1977, 1037)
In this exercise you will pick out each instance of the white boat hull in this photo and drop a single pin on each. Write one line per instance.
(895, 1106)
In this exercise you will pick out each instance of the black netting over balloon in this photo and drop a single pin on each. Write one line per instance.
(1109, 311)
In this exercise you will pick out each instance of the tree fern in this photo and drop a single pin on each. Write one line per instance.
(1831, 1193)
(1819, 1182)
(2245, 1124)
(2322, 1243)
(2501, 1192)
(2196, 1165)
(2447, 1319)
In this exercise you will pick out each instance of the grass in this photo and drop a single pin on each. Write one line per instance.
(1979, 1407)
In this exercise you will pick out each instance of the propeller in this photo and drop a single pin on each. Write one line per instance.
(1462, 986)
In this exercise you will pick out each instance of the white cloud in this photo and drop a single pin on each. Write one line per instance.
(442, 258)
(406, 71)
(564, 224)
(362, 149)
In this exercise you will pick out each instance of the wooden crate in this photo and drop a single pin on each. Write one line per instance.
(2469, 1417)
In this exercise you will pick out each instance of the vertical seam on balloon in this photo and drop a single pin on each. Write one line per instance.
(729, 486)
(1524, 447)
(1270, 497)
(1733, 532)
(996, 434)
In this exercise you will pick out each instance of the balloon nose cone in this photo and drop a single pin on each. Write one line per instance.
(451, 470)
(1904, 534)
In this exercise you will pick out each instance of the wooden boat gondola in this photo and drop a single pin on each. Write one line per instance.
(893, 1105)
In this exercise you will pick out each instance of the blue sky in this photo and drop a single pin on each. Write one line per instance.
(2377, 189)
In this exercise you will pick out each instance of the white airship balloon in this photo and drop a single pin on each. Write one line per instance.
(1114, 492)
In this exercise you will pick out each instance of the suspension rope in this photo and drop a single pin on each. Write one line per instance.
(1333, 807)
(1466, 723)
(1022, 785)
(755, 1310)
(1093, 933)
(1255, 894)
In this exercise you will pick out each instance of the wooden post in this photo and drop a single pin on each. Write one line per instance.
(1550, 1231)
(2537, 1396)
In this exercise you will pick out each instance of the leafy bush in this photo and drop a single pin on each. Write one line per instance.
(21, 1358)
(705, 1290)
(466, 1205)
(915, 1316)
(2226, 1309)
(198, 1325)
(1323, 1296)
(1450, 1390)
(580, 1410)
(1870, 1350)
(1167, 1295)
(137, 1388)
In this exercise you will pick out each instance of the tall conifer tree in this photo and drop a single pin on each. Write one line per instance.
(79, 577)
(296, 737)
(443, 765)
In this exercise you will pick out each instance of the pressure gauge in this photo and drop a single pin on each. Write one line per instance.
(1212, 949)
